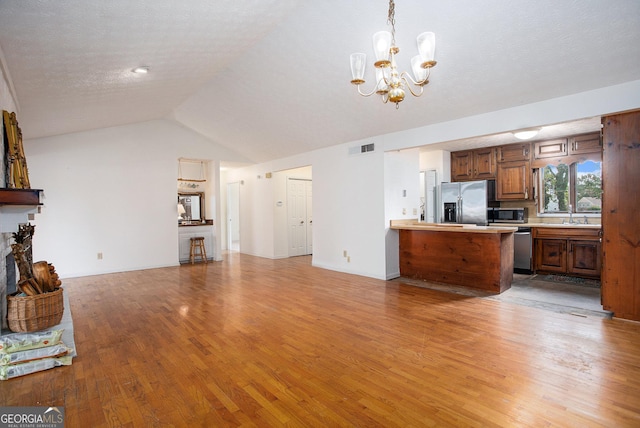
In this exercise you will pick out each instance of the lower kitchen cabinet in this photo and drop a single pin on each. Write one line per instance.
(550, 255)
(185, 233)
(568, 251)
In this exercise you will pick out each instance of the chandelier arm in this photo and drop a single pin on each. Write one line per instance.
(405, 75)
(375, 88)
(365, 94)
(410, 88)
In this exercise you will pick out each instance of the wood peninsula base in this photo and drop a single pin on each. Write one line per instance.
(479, 257)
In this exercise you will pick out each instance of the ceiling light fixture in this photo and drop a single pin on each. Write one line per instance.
(141, 70)
(390, 84)
(526, 134)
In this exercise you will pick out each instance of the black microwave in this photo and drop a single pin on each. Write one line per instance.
(509, 215)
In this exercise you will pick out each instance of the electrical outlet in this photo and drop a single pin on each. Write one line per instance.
(404, 211)
(348, 259)
(415, 211)
(344, 253)
(99, 256)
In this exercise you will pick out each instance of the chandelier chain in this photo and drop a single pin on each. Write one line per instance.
(391, 19)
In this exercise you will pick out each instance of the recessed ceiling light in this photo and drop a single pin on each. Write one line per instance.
(141, 70)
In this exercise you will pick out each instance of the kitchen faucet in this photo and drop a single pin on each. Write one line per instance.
(570, 214)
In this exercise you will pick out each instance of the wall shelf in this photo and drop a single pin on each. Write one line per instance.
(20, 196)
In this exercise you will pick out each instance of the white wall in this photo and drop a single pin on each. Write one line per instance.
(440, 160)
(401, 199)
(348, 209)
(112, 191)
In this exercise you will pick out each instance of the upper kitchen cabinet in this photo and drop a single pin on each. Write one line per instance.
(461, 165)
(583, 144)
(513, 181)
(550, 149)
(513, 172)
(575, 149)
(479, 164)
(514, 152)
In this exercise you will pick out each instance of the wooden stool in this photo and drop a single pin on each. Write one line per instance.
(197, 249)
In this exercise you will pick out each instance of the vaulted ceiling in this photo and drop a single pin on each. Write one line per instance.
(270, 78)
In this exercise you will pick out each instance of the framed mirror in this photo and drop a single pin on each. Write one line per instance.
(190, 208)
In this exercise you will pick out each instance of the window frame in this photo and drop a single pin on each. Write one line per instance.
(573, 182)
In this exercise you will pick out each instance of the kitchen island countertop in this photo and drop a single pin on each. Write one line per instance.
(449, 227)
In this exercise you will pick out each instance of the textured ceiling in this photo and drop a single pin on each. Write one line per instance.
(270, 78)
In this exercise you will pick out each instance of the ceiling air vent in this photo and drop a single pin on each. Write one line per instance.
(366, 148)
(357, 150)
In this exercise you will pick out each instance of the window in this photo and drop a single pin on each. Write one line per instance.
(578, 185)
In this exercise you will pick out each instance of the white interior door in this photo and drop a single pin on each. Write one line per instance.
(309, 213)
(299, 213)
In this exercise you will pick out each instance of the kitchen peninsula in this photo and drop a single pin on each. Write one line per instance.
(465, 255)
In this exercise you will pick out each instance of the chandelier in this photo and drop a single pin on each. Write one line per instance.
(391, 84)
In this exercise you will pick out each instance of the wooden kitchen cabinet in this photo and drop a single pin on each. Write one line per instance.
(462, 165)
(584, 258)
(569, 251)
(550, 149)
(513, 181)
(484, 163)
(514, 152)
(550, 255)
(583, 144)
(479, 164)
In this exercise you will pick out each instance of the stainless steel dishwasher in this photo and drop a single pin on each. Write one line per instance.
(522, 250)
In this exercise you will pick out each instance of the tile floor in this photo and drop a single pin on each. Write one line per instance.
(537, 291)
(576, 298)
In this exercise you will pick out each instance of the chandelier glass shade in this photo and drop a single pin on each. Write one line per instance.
(391, 84)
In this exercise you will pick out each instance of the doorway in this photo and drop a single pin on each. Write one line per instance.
(299, 212)
(233, 217)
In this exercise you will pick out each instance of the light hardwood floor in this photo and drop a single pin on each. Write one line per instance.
(258, 342)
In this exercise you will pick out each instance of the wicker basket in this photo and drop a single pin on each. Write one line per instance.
(33, 313)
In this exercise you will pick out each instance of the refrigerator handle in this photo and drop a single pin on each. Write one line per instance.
(459, 210)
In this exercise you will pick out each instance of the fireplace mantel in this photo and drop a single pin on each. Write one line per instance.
(20, 196)
(18, 206)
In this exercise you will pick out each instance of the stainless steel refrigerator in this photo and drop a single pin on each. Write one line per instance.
(465, 202)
